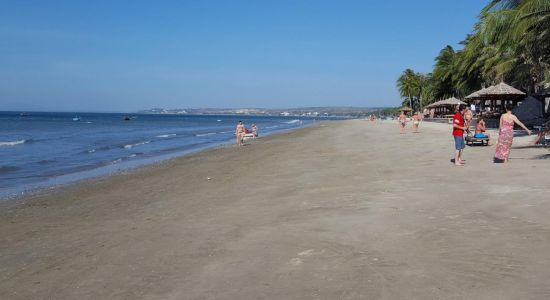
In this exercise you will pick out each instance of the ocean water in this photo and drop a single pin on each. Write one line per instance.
(40, 150)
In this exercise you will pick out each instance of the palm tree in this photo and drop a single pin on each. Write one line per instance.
(509, 42)
(407, 84)
(518, 31)
(444, 72)
(415, 88)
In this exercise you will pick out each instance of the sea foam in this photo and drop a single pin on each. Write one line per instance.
(166, 135)
(12, 143)
(136, 144)
(205, 134)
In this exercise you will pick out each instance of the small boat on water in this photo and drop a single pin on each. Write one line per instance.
(76, 118)
(126, 118)
(23, 114)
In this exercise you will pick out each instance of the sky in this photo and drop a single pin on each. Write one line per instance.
(109, 56)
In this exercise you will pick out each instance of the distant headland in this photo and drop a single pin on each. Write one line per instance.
(331, 111)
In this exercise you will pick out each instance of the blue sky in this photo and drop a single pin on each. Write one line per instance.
(130, 55)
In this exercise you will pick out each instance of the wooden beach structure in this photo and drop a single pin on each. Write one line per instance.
(494, 98)
(444, 108)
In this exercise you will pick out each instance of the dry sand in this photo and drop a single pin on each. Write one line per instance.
(342, 210)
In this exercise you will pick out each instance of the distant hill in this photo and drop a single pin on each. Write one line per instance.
(339, 111)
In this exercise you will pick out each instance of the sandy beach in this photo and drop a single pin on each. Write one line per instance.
(340, 210)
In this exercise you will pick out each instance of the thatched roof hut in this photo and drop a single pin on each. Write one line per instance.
(496, 97)
(501, 91)
(405, 109)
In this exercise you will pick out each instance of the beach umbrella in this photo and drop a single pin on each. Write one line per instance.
(497, 96)
(475, 95)
(446, 105)
(501, 91)
(446, 102)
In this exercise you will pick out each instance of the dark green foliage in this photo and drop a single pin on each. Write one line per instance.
(510, 42)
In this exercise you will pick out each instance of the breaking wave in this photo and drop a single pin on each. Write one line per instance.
(205, 134)
(166, 135)
(14, 143)
(136, 144)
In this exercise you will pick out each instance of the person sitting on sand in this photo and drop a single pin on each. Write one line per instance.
(239, 132)
(402, 120)
(254, 130)
(481, 128)
(416, 121)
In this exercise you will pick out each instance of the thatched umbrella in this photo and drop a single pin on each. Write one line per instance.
(445, 105)
(502, 92)
(475, 95)
(450, 101)
(405, 109)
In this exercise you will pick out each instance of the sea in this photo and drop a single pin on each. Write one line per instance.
(45, 149)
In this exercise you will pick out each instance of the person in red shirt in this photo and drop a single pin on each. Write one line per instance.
(458, 134)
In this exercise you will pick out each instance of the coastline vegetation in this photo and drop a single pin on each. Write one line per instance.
(509, 42)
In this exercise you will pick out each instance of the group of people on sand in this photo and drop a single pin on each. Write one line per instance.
(461, 124)
(241, 131)
(402, 120)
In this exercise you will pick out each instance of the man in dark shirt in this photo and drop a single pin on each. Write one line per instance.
(458, 134)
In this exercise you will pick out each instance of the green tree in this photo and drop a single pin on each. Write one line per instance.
(408, 86)
(510, 42)
(415, 88)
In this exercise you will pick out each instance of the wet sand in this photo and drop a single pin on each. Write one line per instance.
(341, 210)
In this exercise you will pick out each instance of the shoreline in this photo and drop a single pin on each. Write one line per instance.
(340, 210)
(81, 177)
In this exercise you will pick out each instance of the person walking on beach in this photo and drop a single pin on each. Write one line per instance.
(506, 134)
(416, 121)
(239, 132)
(458, 134)
(402, 120)
(254, 130)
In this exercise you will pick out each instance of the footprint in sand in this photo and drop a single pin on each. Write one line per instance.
(306, 252)
(298, 261)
